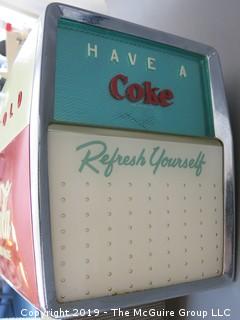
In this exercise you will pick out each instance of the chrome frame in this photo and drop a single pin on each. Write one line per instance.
(41, 115)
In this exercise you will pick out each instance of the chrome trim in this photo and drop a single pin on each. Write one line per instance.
(44, 101)
(224, 133)
(34, 132)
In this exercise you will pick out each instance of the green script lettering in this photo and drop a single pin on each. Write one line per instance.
(96, 153)
(88, 159)
(105, 159)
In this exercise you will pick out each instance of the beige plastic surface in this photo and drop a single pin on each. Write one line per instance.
(133, 230)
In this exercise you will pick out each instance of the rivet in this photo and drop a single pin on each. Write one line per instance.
(109, 199)
(216, 246)
(200, 198)
(202, 248)
(168, 252)
(130, 256)
(168, 211)
(185, 250)
(87, 276)
(130, 242)
(63, 215)
(150, 283)
(130, 184)
(109, 184)
(214, 186)
(63, 199)
(202, 261)
(184, 197)
(63, 183)
(186, 277)
(63, 280)
(130, 227)
(185, 237)
(201, 235)
(109, 289)
(218, 271)
(87, 229)
(63, 247)
(185, 224)
(185, 210)
(186, 263)
(167, 198)
(216, 222)
(199, 185)
(130, 213)
(87, 260)
(131, 286)
(184, 185)
(109, 228)
(150, 240)
(109, 243)
(149, 184)
(150, 268)
(149, 211)
(109, 258)
(87, 245)
(168, 225)
(62, 297)
(109, 213)
(215, 209)
(169, 279)
(87, 184)
(201, 223)
(87, 293)
(202, 274)
(149, 198)
(63, 231)
(200, 210)
(215, 197)
(87, 199)
(169, 266)
(62, 263)
(109, 274)
(216, 234)
(150, 226)
(87, 214)
(150, 254)
(217, 259)
(168, 238)
(130, 270)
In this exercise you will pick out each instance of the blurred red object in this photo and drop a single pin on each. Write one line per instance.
(8, 27)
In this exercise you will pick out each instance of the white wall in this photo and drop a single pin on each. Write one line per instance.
(35, 8)
(217, 23)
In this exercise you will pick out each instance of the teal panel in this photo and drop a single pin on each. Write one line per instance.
(82, 93)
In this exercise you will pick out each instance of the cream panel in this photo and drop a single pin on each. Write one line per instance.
(132, 229)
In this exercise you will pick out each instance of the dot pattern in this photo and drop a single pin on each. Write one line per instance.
(133, 230)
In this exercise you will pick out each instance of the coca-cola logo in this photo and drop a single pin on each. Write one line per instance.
(120, 89)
